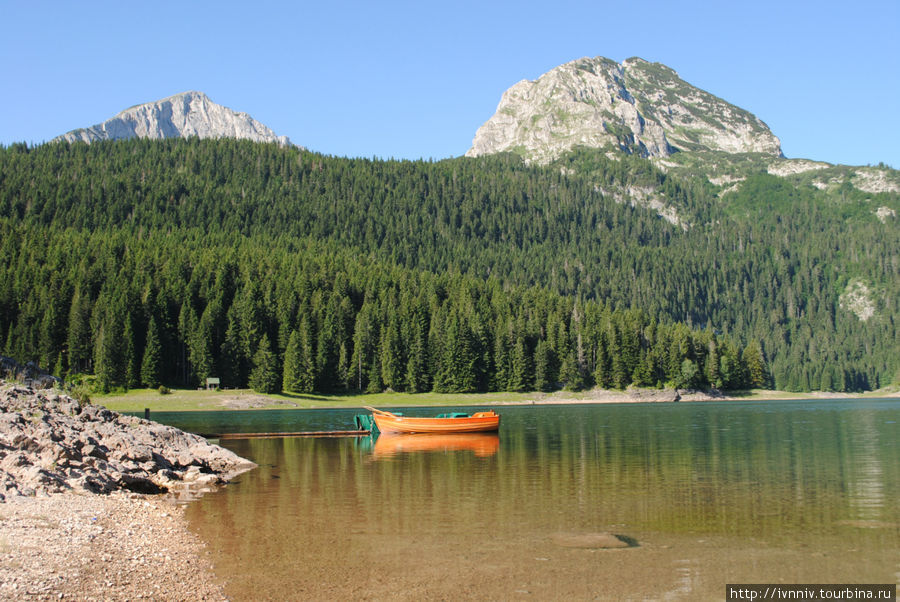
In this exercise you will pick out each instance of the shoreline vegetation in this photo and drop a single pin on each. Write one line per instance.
(187, 400)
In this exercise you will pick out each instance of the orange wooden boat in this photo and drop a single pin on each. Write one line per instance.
(479, 422)
(388, 445)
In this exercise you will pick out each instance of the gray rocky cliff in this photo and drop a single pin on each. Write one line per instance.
(180, 116)
(635, 106)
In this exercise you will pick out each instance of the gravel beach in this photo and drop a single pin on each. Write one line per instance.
(121, 546)
(89, 502)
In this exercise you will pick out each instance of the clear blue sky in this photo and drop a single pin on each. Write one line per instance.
(417, 79)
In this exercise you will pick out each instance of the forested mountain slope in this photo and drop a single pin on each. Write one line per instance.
(765, 268)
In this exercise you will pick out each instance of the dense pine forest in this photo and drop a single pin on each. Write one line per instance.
(150, 262)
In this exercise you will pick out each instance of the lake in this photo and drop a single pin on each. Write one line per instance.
(692, 496)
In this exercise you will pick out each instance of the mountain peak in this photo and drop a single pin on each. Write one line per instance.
(636, 106)
(183, 115)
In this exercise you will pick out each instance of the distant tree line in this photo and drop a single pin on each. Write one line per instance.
(757, 273)
(176, 308)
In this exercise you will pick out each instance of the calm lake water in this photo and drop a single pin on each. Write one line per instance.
(700, 495)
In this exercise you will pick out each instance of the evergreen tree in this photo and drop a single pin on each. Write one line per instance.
(457, 368)
(502, 363)
(109, 350)
(391, 360)
(8, 346)
(291, 378)
(689, 374)
(542, 367)
(643, 373)
(327, 346)
(602, 368)
(187, 331)
(363, 337)
(619, 375)
(730, 372)
(416, 372)
(132, 362)
(234, 361)
(264, 377)
(521, 370)
(59, 368)
(151, 368)
(299, 360)
(79, 334)
(755, 363)
(307, 359)
(826, 382)
(47, 341)
(200, 355)
(343, 375)
(375, 385)
(712, 365)
(569, 374)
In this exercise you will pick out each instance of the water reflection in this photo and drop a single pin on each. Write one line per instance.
(867, 476)
(388, 445)
(714, 494)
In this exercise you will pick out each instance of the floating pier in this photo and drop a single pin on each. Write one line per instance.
(281, 435)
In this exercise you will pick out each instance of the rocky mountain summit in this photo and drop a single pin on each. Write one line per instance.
(49, 443)
(636, 106)
(180, 116)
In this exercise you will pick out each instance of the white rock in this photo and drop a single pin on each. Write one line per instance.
(884, 213)
(636, 106)
(875, 180)
(857, 298)
(180, 116)
(787, 167)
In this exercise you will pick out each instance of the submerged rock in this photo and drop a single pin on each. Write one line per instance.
(606, 541)
(49, 443)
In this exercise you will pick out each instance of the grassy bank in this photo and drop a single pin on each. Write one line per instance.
(241, 399)
(185, 400)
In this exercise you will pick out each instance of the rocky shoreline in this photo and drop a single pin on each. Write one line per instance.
(81, 515)
(50, 443)
(630, 395)
(647, 395)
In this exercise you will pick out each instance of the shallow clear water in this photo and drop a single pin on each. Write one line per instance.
(703, 494)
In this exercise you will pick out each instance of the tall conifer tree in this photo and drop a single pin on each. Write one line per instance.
(264, 377)
(151, 366)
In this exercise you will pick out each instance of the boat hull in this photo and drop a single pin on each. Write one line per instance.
(481, 422)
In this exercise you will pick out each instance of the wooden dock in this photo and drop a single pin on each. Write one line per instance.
(282, 435)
